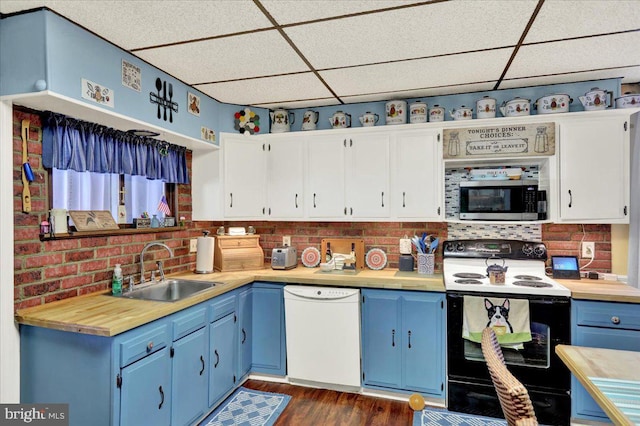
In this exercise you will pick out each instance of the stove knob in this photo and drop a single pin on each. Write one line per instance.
(527, 249)
(460, 247)
(540, 251)
(448, 248)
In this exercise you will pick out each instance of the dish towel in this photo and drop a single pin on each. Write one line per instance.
(509, 319)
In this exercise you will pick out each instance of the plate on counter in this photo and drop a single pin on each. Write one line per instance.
(376, 259)
(310, 257)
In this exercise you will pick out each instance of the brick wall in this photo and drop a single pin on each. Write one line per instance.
(54, 270)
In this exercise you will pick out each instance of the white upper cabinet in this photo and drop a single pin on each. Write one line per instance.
(348, 175)
(416, 175)
(594, 169)
(285, 184)
(245, 175)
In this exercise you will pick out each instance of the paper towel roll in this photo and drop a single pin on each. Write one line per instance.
(204, 257)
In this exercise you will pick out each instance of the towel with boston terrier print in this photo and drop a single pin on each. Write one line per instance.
(509, 319)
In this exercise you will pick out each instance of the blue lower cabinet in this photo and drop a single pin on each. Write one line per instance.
(189, 375)
(245, 331)
(606, 325)
(268, 354)
(403, 344)
(146, 391)
(222, 357)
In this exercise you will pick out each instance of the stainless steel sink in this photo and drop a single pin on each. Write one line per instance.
(170, 290)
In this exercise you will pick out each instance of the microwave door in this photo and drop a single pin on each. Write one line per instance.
(504, 200)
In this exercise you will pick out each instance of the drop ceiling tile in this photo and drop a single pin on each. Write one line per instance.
(418, 74)
(593, 53)
(143, 23)
(227, 58)
(295, 87)
(301, 104)
(288, 11)
(421, 93)
(628, 74)
(575, 18)
(415, 32)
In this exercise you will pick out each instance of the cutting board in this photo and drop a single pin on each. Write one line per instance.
(343, 245)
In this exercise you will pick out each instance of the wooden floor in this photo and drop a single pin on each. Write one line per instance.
(309, 406)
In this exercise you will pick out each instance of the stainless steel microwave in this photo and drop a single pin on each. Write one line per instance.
(499, 200)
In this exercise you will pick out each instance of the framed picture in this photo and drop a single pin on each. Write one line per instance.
(92, 220)
(193, 104)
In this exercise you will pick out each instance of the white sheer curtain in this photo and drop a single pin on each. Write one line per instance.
(142, 195)
(85, 191)
(634, 218)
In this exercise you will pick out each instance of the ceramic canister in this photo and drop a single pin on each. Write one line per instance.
(628, 100)
(369, 119)
(418, 112)
(309, 120)
(486, 107)
(436, 113)
(396, 112)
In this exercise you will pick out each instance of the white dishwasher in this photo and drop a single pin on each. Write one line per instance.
(323, 334)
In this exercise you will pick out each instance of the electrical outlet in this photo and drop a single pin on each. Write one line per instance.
(193, 245)
(286, 240)
(588, 249)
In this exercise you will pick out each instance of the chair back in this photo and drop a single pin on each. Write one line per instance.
(514, 398)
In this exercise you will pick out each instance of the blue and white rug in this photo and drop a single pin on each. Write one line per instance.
(438, 417)
(248, 407)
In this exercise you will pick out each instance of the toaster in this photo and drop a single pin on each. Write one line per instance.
(284, 258)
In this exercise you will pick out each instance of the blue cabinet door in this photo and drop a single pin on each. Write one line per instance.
(146, 391)
(245, 331)
(381, 338)
(268, 346)
(423, 343)
(189, 375)
(222, 357)
(583, 404)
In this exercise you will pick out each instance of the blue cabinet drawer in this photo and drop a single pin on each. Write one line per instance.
(607, 314)
(187, 322)
(144, 341)
(222, 306)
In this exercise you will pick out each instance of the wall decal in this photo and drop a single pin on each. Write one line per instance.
(207, 134)
(131, 76)
(97, 93)
(164, 100)
(193, 104)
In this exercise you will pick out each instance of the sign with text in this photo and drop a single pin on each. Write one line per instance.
(517, 140)
(34, 414)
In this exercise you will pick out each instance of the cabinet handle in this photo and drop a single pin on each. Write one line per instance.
(231, 196)
(269, 211)
(202, 361)
(150, 346)
(409, 333)
(296, 201)
(263, 210)
(403, 199)
(625, 210)
(393, 337)
(161, 397)
(351, 211)
(217, 359)
(244, 336)
(438, 211)
(382, 198)
(269, 147)
(314, 200)
(615, 320)
(263, 147)
(345, 210)
(350, 142)
(570, 199)
(344, 142)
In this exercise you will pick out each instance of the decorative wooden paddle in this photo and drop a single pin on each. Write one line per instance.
(26, 193)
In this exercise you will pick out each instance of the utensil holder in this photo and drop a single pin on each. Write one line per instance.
(426, 263)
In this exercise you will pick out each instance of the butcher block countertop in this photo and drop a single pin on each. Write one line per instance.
(104, 315)
(602, 290)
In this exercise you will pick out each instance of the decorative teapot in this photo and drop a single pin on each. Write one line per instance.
(280, 121)
(462, 113)
(340, 120)
(495, 272)
(596, 99)
(369, 119)
(309, 120)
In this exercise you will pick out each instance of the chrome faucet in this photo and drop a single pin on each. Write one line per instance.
(142, 279)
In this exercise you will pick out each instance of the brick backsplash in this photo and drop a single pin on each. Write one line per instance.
(53, 270)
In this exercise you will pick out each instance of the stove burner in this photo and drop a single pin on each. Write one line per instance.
(468, 281)
(527, 278)
(537, 284)
(469, 275)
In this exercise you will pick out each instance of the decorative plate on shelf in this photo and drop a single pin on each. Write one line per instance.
(310, 257)
(376, 259)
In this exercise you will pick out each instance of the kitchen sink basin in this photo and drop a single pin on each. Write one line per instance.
(170, 290)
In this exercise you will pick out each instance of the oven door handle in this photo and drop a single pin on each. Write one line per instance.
(480, 396)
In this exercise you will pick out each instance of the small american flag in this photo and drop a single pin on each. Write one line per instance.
(164, 207)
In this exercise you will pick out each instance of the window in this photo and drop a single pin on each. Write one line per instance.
(107, 191)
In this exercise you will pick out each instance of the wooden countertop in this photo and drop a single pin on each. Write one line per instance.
(588, 363)
(104, 315)
(602, 290)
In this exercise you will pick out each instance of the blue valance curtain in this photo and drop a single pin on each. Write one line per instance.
(78, 145)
